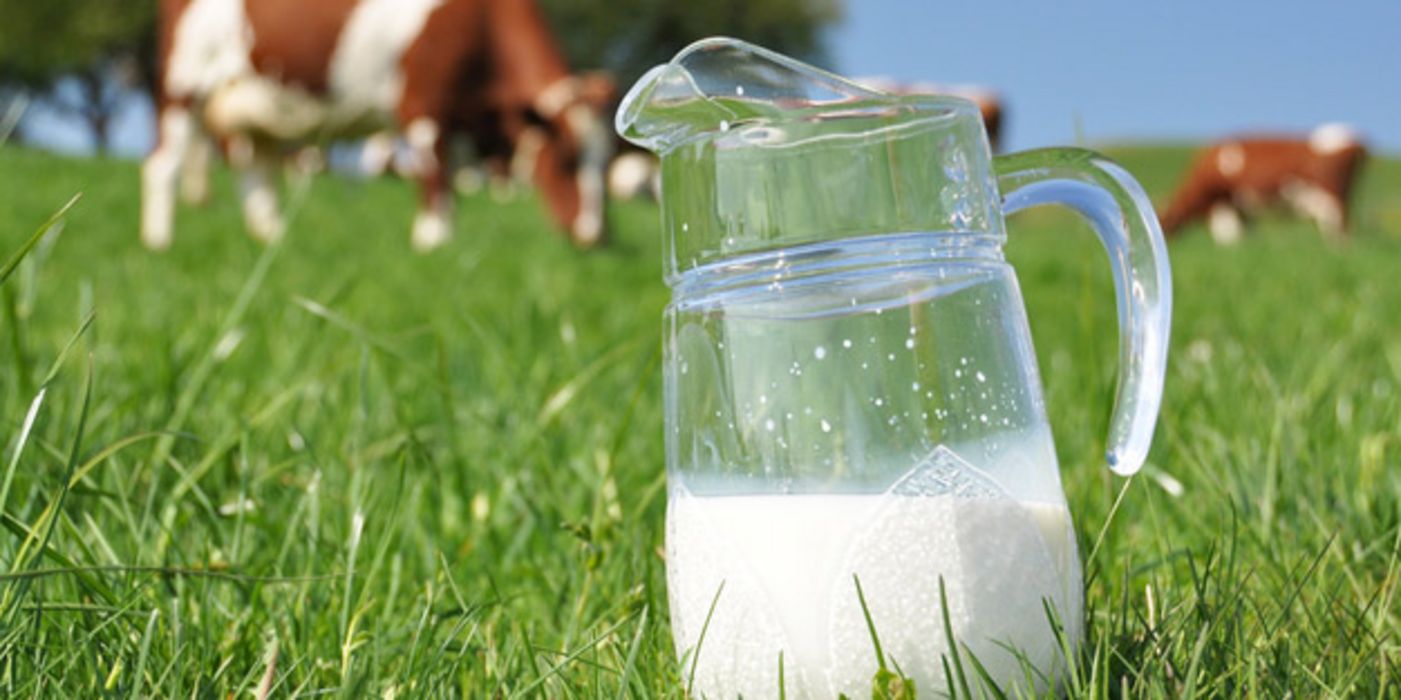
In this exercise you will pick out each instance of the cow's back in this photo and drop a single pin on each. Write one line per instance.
(294, 42)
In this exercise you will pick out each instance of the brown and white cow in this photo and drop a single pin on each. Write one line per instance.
(1229, 180)
(264, 75)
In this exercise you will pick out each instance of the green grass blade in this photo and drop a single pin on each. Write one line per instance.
(700, 641)
(18, 256)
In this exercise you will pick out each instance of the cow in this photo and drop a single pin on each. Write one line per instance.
(262, 76)
(1229, 180)
(989, 103)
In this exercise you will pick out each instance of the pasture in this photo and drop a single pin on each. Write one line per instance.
(337, 468)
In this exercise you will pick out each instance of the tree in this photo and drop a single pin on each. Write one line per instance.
(626, 37)
(101, 45)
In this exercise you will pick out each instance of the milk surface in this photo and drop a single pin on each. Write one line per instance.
(786, 563)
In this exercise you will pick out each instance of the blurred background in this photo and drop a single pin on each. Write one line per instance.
(1099, 71)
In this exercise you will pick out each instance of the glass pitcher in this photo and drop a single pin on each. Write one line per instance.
(857, 445)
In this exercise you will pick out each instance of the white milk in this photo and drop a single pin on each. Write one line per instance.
(786, 562)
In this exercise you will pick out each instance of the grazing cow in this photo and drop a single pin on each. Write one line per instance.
(989, 102)
(1227, 180)
(262, 76)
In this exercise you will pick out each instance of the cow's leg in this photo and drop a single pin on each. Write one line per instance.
(432, 226)
(596, 149)
(377, 153)
(175, 128)
(1325, 208)
(1225, 223)
(194, 171)
(258, 163)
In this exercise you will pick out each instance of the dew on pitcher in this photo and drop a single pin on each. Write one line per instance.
(914, 387)
(958, 373)
(739, 90)
(890, 357)
(685, 227)
(865, 365)
(846, 343)
(980, 376)
(763, 398)
(724, 125)
(769, 425)
(910, 343)
(685, 367)
(963, 361)
(819, 352)
(826, 427)
(879, 401)
(983, 418)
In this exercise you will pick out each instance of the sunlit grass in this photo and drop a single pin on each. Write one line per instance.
(338, 468)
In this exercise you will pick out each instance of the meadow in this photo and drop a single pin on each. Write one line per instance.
(337, 468)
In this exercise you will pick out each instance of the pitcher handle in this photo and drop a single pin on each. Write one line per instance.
(1119, 211)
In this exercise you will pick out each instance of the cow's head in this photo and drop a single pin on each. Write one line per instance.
(569, 150)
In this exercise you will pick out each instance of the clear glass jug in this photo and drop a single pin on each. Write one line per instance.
(857, 446)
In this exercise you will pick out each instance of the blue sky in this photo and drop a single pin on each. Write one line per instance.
(1107, 71)
(1126, 70)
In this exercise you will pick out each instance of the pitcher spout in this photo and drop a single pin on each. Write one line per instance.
(719, 83)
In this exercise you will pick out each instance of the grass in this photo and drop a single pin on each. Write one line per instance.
(336, 468)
